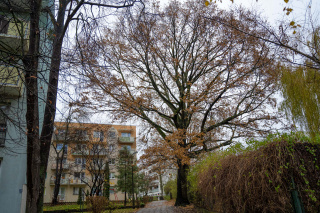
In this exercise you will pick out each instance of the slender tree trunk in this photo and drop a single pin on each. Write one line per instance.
(182, 185)
(31, 62)
(106, 186)
(50, 109)
(125, 185)
(59, 168)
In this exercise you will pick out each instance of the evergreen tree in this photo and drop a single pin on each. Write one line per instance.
(80, 201)
(126, 168)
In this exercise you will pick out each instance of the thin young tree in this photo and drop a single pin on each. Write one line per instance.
(126, 173)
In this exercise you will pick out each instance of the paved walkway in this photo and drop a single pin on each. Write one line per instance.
(161, 206)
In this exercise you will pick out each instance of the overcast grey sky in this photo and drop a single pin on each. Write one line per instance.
(273, 9)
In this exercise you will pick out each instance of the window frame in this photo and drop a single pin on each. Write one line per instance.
(112, 176)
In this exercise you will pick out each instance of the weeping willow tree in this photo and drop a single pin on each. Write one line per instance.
(301, 89)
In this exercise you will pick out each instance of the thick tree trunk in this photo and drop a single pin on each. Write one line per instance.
(161, 185)
(182, 185)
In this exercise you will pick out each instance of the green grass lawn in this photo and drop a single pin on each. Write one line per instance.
(75, 206)
(63, 207)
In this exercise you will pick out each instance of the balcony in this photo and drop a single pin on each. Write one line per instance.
(131, 151)
(72, 181)
(64, 166)
(70, 137)
(98, 152)
(78, 181)
(17, 5)
(97, 167)
(15, 39)
(10, 81)
(62, 181)
(80, 152)
(126, 139)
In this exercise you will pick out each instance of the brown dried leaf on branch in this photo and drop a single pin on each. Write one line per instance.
(198, 84)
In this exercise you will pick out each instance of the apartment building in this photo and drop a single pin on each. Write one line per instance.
(14, 44)
(158, 180)
(84, 150)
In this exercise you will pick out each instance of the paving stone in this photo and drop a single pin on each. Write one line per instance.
(161, 206)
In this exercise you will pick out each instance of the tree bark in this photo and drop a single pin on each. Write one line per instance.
(31, 62)
(182, 185)
(58, 179)
(106, 188)
(161, 185)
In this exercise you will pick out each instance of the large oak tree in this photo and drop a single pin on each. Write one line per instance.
(197, 83)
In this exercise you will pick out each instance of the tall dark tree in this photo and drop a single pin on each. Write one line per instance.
(61, 14)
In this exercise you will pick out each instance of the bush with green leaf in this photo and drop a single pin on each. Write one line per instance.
(258, 177)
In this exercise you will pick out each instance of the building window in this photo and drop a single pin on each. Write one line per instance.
(61, 132)
(98, 162)
(112, 161)
(62, 192)
(111, 147)
(4, 24)
(81, 161)
(126, 147)
(97, 134)
(64, 160)
(81, 147)
(112, 134)
(111, 190)
(125, 134)
(60, 147)
(98, 176)
(79, 175)
(82, 133)
(76, 190)
(3, 127)
(112, 175)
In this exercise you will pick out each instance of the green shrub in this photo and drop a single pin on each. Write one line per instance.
(171, 188)
(97, 204)
(257, 177)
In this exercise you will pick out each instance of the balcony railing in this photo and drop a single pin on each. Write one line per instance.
(72, 181)
(78, 181)
(10, 81)
(15, 40)
(62, 181)
(126, 139)
(64, 166)
(70, 137)
(80, 152)
(98, 152)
